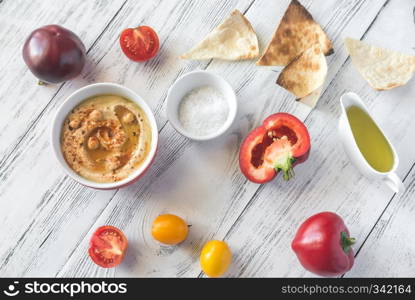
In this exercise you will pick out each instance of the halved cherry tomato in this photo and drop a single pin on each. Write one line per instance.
(140, 43)
(107, 246)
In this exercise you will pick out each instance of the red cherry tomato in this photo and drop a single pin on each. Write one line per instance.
(140, 43)
(107, 246)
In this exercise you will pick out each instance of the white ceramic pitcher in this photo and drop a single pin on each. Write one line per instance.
(389, 178)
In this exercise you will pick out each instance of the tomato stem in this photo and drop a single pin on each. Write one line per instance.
(346, 241)
(40, 82)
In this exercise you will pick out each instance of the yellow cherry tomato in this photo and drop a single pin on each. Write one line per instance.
(215, 258)
(169, 229)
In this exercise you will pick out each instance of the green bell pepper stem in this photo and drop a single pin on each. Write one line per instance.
(285, 164)
(346, 241)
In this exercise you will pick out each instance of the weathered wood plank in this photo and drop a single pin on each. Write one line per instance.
(211, 192)
(22, 100)
(390, 247)
(262, 236)
(49, 196)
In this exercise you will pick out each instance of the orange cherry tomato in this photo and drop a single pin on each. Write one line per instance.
(169, 229)
(215, 258)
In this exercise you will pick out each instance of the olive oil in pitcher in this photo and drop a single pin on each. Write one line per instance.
(370, 140)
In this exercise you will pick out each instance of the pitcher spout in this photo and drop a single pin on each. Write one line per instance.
(351, 99)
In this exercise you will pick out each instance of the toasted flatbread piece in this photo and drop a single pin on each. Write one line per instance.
(384, 69)
(306, 73)
(297, 32)
(234, 39)
(312, 98)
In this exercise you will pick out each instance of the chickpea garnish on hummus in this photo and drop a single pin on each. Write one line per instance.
(106, 138)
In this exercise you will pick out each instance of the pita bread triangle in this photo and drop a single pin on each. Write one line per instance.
(234, 39)
(305, 74)
(312, 98)
(296, 32)
(384, 69)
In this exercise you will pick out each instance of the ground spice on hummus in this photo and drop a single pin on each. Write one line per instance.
(106, 138)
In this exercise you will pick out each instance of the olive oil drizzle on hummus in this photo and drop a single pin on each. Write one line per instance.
(106, 138)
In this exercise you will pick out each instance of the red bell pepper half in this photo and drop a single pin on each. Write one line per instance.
(278, 145)
(323, 245)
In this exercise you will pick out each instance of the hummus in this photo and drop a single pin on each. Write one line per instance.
(106, 138)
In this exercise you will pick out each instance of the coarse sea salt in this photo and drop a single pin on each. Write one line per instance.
(203, 111)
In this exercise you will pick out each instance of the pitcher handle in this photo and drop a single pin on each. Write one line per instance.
(394, 183)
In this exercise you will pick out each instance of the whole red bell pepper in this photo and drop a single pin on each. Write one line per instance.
(323, 245)
(278, 145)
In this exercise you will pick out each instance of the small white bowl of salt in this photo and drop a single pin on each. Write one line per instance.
(201, 105)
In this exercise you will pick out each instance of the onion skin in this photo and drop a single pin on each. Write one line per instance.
(54, 54)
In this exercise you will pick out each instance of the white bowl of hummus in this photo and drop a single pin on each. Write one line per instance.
(105, 136)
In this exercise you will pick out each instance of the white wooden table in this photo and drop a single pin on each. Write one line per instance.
(46, 219)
